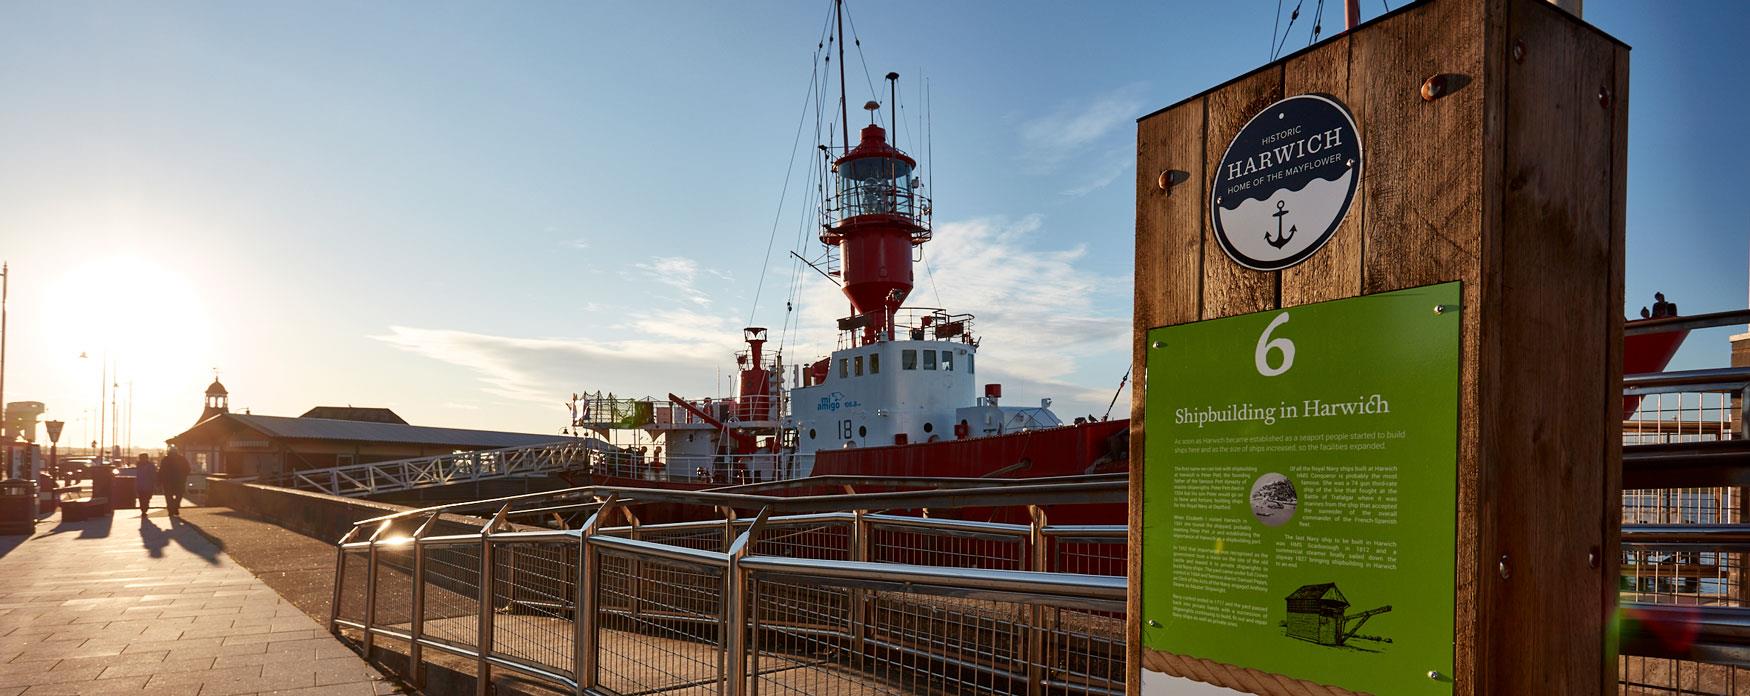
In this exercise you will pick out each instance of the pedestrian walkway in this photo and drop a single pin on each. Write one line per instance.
(150, 606)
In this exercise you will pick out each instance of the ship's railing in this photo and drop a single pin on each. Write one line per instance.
(604, 413)
(793, 599)
(910, 324)
(877, 197)
(722, 469)
(1686, 463)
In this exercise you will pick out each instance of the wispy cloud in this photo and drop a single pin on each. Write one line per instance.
(1068, 131)
(579, 244)
(679, 273)
(544, 370)
(1115, 164)
(1037, 307)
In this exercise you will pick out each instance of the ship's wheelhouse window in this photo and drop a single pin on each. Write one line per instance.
(844, 368)
(969, 363)
(929, 360)
(862, 431)
(908, 360)
(858, 361)
(948, 360)
(811, 433)
(874, 363)
(929, 427)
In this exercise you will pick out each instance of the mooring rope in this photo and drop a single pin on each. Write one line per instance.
(1238, 678)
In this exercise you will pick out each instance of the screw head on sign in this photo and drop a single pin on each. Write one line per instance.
(1604, 97)
(1154, 623)
(1439, 309)
(1435, 675)
(1502, 566)
(1518, 50)
(1592, 558)
(1160, 344)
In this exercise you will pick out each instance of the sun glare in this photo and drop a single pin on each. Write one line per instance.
(145, 316)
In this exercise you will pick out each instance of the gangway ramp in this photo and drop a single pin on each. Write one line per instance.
(377, 478)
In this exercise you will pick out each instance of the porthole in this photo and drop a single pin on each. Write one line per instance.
(862, 431)
(811, 433)
(929, 427)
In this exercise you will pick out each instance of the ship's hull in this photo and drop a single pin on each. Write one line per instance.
(1087, 448)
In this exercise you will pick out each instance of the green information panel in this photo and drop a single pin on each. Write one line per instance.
(1300, 501)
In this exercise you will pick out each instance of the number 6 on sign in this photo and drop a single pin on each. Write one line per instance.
(1261, 357)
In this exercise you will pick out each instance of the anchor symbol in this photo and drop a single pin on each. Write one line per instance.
(1282, 238)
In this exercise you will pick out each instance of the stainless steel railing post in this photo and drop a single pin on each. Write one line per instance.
(483, 644)
(583, 641)
(339, 578)
(859, 551)
(415, 632)
(371, 588)
(733, 634)
(1039, 561)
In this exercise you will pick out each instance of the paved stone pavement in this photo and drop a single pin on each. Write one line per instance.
(150, 606)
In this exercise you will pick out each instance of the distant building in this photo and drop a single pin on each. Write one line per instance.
(243, 444)
(218, 400)
(352, 413)
(20, 421)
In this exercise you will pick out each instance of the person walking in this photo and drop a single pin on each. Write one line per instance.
(173, 478)
(145, 479)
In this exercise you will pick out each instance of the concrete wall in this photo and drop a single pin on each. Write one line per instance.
(318, 515)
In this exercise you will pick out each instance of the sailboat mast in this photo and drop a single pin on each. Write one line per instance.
(844, 115)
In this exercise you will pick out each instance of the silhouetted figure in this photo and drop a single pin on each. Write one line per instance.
(173, 478)
(145, 479)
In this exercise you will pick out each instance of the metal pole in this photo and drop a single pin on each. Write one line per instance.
(371, 588)
(339, 579)
(733, 633)
(584, 619)
(859, 552)
(5, 287)
(417, 630)
(1039, 562)
(483, 643)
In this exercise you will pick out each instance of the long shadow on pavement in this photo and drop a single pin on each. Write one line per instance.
(156, 538)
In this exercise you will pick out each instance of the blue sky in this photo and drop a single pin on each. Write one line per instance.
(467, 211)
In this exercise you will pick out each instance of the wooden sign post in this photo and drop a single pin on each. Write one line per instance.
(1492, 140)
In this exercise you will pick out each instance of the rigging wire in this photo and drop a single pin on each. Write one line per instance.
(1318, 22)
(867, 78)
(783, 194)
(808, 98)
(1275, 27)
(1292, 16)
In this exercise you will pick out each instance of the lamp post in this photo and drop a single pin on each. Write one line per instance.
(5, 282)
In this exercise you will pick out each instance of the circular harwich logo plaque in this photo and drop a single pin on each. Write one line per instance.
(1286, 182)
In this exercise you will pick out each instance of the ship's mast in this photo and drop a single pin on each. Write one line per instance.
(844, 114)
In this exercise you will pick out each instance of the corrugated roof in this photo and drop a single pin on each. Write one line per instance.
(329, 429)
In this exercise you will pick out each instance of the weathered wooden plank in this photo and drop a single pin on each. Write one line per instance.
(1611, 451)
(1169, 265)
(1335, 271)
(1422, 222)
(1556, 264)
(1229, 288)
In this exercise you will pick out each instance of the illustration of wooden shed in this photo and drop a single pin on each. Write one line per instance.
(1320, 614)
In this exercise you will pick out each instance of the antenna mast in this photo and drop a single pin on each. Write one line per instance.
(844, 115)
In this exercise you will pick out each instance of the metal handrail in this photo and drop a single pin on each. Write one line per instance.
(1071, 493)
(1686, 323)
(502, 573)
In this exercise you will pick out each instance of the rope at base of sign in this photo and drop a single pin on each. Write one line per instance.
(1238, 678)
